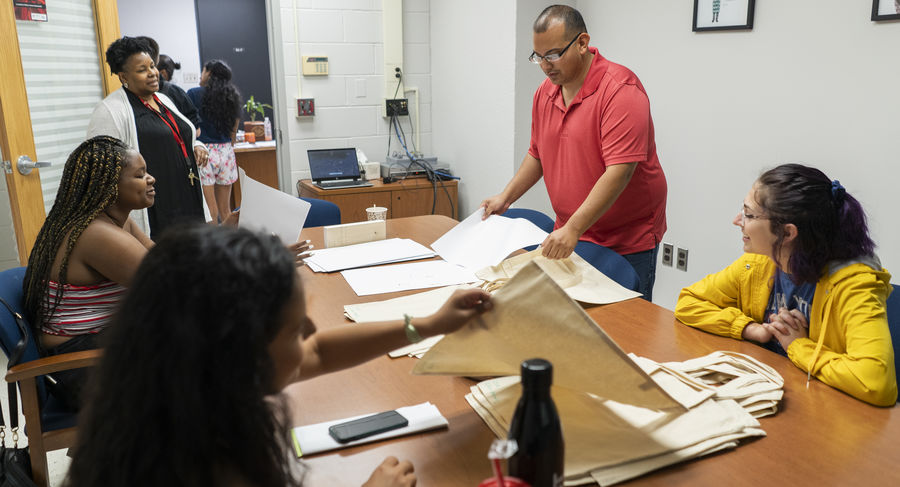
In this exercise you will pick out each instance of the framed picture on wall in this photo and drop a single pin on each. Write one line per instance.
(885, 9)
(725, 14)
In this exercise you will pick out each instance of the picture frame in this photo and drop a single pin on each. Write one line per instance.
(711, 15)
(885, 10)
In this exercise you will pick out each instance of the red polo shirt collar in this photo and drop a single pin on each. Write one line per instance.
(591, 82)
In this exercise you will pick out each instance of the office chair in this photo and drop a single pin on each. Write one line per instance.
(893, 313)
(322, 213)
(542, 221)
(49, 425)
(610, 263)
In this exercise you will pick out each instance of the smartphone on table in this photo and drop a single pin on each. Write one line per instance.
(358, 429)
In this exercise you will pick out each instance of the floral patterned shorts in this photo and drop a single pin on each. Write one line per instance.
(221, 167)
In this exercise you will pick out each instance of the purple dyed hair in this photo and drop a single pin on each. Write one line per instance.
(831, 224)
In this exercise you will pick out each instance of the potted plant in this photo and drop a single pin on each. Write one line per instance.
(254, 108)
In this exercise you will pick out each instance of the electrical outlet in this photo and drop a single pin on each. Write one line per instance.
(398, 106)
(668, 251)
(306, 107)
(681, 259)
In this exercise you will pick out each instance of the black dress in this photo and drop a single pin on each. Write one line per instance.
(181, 100)
(179, 199)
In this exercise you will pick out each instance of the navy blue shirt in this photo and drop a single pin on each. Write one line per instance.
(208, 132)
(787, 294)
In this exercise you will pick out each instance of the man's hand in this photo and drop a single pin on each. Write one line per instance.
(201, 154)
(494, 205)
(560, 244)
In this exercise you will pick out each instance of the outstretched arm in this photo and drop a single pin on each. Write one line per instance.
(346, 346)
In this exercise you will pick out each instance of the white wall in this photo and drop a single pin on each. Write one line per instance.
(173, 24)
(473, 43)
(813, 81)
(349, 100)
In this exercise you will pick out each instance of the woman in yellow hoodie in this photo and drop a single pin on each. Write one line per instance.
(809, 285)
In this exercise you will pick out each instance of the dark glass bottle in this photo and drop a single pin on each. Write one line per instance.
(536, 429)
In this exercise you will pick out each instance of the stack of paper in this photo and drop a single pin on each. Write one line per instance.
(367, 254)
(314, 438)
(404, 277)
(475, 243)
(268, 210)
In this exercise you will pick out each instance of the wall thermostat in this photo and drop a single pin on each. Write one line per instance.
(315, 65)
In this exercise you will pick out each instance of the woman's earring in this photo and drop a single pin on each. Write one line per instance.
(125, 84)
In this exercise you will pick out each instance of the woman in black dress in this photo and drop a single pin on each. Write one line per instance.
(150, 123)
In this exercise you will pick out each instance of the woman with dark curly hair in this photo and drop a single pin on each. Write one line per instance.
(808, 287)
(220, 104)
(86, 252)
(188, 390)
(150, 122)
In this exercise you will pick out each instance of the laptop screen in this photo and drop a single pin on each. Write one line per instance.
(330, 164)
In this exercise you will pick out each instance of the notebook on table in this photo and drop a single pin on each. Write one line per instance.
(335, 168)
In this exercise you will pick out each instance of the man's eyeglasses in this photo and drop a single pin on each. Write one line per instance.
(552, 57)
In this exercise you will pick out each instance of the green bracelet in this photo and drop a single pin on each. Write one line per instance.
(411, 334)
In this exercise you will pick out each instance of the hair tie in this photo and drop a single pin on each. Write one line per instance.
(837, 191)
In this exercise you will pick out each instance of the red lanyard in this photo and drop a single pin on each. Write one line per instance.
(173, 126)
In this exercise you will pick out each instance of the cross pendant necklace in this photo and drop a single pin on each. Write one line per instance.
(192, 177)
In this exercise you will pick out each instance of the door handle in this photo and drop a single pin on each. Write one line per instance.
(25, 165)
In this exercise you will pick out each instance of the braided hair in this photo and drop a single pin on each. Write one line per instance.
(88, 186)
(221, 103)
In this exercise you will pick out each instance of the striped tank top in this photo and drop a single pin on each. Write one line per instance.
(81, 309)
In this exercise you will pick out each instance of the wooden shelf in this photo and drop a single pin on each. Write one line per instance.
(410, 197)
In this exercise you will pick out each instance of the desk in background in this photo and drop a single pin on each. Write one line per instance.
(820, 436)
(409, 197)
(260, 163)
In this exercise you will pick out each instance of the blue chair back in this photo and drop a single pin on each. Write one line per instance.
(610, 263)
(893, 313)
(11, 292)
(543, 221)
(322, 213)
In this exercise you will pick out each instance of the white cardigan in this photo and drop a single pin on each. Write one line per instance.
(114, 117)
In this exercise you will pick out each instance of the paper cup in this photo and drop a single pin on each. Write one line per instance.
(376, 213)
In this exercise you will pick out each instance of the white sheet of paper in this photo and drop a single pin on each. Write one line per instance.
(367, 254)
(474, 243)
(314, 438)
(268, 210)
(403, 277)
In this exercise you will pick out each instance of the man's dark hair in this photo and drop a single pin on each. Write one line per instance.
(570, 17)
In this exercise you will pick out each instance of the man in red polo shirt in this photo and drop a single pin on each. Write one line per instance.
(592, 141)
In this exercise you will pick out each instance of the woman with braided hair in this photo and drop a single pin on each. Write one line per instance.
(87, 251)
(809, 285)
(220, 104)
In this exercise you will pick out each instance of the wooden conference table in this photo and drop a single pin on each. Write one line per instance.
(820, 436)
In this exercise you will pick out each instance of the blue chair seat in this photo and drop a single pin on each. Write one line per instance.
(610, 263)
(321, 213)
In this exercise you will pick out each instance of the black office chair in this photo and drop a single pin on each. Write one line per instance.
(322, 213)
(49, 425)
(893, 312)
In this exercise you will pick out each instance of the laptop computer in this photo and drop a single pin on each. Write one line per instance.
(335, 168)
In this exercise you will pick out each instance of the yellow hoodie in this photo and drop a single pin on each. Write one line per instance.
(849, 345)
